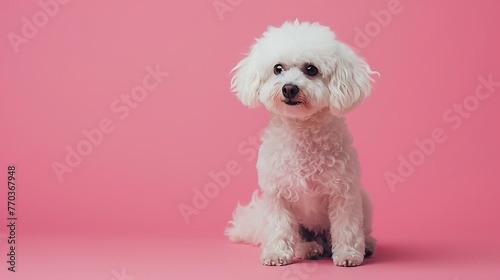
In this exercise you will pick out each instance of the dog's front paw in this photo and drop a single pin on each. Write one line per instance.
(347, 258)
(274, 257)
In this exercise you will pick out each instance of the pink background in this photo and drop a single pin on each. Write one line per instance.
(119, 208)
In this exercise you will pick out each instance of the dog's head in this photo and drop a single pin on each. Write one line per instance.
(299, 69)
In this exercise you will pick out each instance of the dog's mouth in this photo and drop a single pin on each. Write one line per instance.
(291, 102)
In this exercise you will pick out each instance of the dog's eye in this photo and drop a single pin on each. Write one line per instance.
(311, 70)
(278, 69)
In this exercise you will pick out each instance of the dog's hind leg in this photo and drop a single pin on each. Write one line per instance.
(370, 241)
(307, 247)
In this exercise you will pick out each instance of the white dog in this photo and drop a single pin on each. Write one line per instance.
(307, 167)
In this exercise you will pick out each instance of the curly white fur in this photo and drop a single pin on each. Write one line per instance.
(308, 169)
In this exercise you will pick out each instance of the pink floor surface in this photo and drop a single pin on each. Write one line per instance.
(51, 258)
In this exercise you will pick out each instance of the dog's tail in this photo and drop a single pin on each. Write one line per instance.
(248, 222)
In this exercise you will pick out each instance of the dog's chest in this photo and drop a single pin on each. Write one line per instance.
(303, 158)
(313, 154)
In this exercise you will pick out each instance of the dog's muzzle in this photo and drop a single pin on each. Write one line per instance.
(290, 91)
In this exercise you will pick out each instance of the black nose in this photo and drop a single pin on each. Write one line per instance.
(290, 91)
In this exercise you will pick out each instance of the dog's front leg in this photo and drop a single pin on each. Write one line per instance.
(346, 220)
(281, 233)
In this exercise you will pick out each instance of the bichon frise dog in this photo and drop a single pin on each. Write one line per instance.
(312, 203)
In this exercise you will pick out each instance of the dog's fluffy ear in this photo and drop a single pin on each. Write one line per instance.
(246, 81)
(350, 82)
